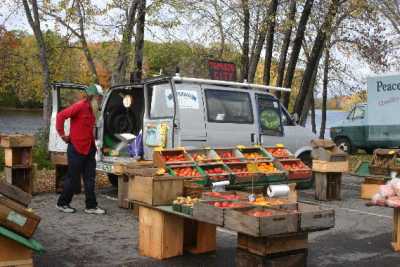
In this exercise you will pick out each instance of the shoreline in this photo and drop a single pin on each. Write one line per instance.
(21, 109)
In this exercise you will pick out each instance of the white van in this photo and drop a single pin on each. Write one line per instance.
(188, 112)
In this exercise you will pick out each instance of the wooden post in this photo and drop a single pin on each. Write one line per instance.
(199, 237)
(160, 234)
(396, 229)
(328, 186)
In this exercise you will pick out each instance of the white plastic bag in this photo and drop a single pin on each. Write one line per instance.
(386, 190)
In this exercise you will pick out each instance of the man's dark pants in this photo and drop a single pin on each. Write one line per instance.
(79, 164)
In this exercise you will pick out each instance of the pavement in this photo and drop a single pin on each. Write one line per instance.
(361, 236)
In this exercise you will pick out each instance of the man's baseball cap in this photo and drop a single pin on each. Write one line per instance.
(94, 89)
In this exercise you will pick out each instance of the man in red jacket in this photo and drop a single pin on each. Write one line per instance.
(81, 150)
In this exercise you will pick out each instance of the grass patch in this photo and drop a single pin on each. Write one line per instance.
(40, 151)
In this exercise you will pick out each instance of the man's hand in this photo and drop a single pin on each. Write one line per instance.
(65, 138)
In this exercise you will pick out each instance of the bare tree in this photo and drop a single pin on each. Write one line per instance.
(285, 44)
(139, 42)
(32, 14)
(246, 40)
(119, 73)
(296, 47)
(269, 45)
(324, 93)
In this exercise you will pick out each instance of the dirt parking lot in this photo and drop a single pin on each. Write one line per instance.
(361, 237)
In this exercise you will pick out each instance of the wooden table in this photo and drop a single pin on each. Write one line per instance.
(396, 229)
(165, 233)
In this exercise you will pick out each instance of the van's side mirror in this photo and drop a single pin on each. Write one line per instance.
(295, 117)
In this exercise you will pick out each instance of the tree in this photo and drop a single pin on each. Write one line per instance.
(246, 41)
(323, 34)
(324, 93)
(32, 14)
(270, 41)
(119, 72)
(285, 44)
(296, 47)
(139, 42)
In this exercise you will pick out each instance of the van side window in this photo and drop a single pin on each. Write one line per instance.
(358, 113)
(269, 115)
(228, 107)
(161, 102)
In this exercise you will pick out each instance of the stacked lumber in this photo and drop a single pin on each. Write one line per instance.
(17, 226)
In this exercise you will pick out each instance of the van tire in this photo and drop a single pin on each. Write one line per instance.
(344, 144)
(113, 179)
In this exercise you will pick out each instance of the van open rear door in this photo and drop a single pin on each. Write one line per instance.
(63, 96)
(161, 118)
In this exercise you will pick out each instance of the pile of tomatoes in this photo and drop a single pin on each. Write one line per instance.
(186, 172)
(174, 158)
(223, 196)
(225, 204)
(296, 165)
(228, 156)
(279, 152)
(239, 170)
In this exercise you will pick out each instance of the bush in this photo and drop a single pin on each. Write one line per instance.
(40, 150)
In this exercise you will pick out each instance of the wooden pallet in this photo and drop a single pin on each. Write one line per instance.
(295, 258)
(12, 254)
(20, 177)
(266, 246)
(59, 158)
(18, 157)
(17, 140)
(328, 186)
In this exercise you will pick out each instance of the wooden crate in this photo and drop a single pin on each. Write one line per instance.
(328, 186)
(265, 246)
(20, 177)
(17, 140)
(207, 212)
(199, 237)
(14, 193)
(160, 234)
(280, 222)
(17, 218)
(59, 158)
(156, 190)
(13, 254)
(330, 166)
(295, 258)
(18, 157)
(315, 218)
(370, 187)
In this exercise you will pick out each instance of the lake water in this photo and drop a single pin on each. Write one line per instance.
(31, 121)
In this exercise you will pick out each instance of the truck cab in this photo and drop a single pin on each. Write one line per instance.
(175, 111)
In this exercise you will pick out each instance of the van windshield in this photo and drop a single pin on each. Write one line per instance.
(269, 116)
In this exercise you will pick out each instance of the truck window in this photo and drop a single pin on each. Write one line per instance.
(228, 107)
(161, 102)
(358, 113)
(269, 116)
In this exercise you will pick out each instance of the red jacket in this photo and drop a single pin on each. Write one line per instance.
(81, 125)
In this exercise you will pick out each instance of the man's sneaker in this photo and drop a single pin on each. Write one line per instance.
(66, 209)
(96, 210)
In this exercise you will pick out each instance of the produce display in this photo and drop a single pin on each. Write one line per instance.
(253, 155)
(262, 201)
(174, 158)
(184, 204)
(227, 205)
(227, 156)
(296, 165)
(186, 172)
(279, 152)
(239, 170)
(266, 167)
(200, 156)
(258, 213)
(223, 196)
(216, 173)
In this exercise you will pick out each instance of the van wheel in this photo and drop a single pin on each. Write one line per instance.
(344, 144)
(113, 179)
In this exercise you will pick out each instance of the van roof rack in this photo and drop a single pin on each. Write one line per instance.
(229, 83)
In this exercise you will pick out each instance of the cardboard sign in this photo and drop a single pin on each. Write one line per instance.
(220, 70)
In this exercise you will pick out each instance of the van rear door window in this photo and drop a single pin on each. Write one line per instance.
(269, 115)
(161, 101)
(228, 107)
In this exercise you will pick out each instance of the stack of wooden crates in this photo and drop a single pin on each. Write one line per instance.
(329, 163)
(18, 160)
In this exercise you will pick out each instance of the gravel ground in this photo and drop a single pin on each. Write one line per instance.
(361, 237)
